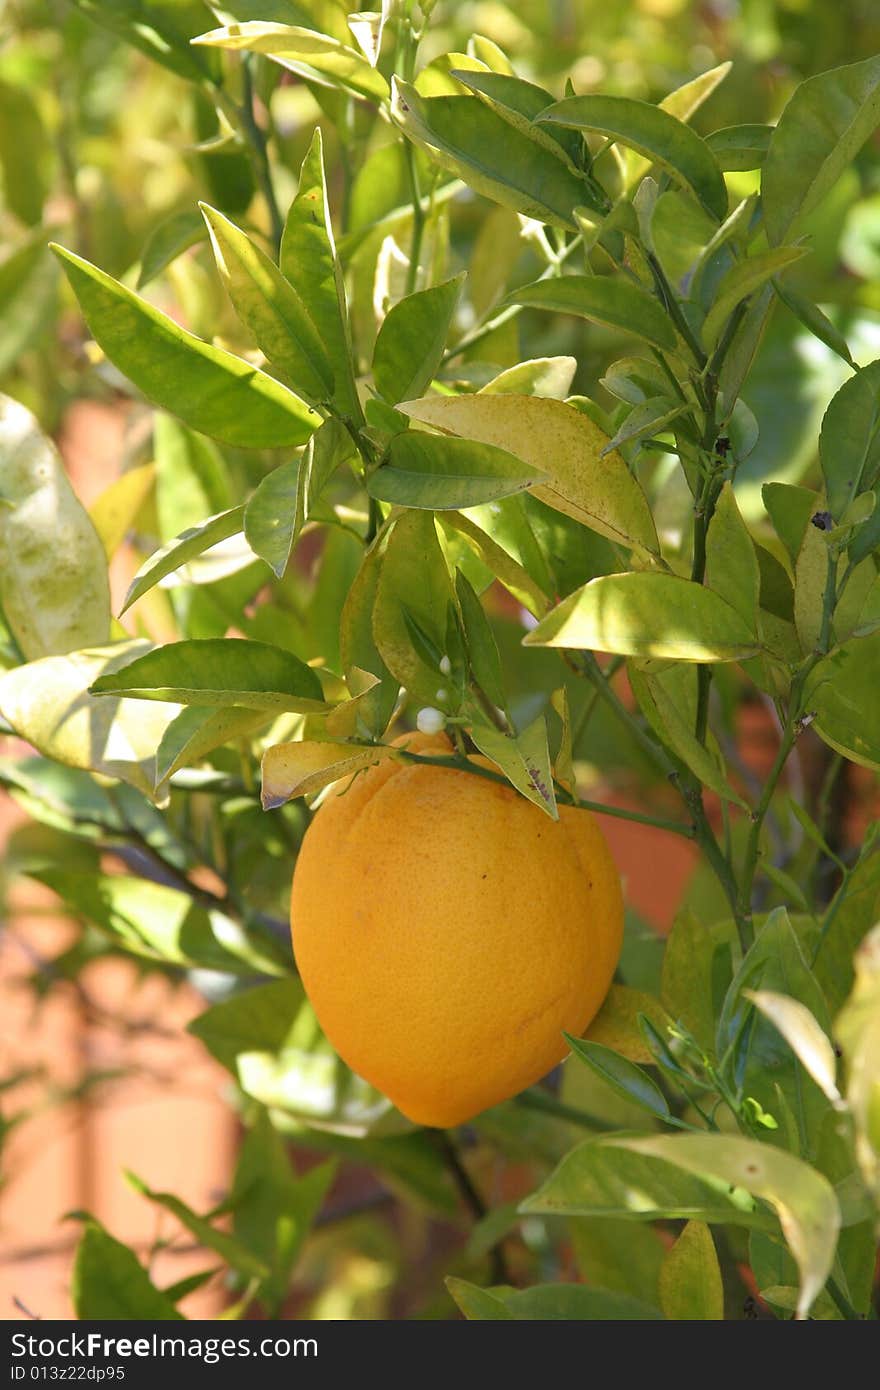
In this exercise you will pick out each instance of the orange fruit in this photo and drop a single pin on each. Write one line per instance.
(447, 931)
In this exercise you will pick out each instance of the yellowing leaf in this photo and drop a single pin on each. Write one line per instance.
(616, 1025)
(116, 509)
(804, 1035)
(297, 769)
(48, 704)
(804, 1200)
(646, 614)
(690, 1277)
(53, 571)
(563, 443)
(858, 1028)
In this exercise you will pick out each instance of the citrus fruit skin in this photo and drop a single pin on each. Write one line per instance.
(447, 931)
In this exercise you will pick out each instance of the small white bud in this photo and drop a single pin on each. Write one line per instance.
(430, 720)
(445, 665)
(441, 696)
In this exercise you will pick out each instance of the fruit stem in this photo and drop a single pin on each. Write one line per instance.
(499, 1273)
(465, 765)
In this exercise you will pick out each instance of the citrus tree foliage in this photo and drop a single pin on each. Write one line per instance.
(516, 364)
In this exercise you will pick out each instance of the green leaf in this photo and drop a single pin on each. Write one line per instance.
(309, 261)
(842, 693)
(740, 147)
(645, 614)
(818, 135)
(654, 133)
(605, 1177)
(23, 146)
(758, 1059)
(283, 502)
(270, 1040)
(167, 241)
(496, 558)
(616, 1025)
(523, 758)
(629, 1080)
(28, 292)
(849, 917)
(270, 307)
(574, 1302)
(156, 922)
(411, 342)
(301, 768)
(324, 16)
(198, 731)
(814, 320)
(849, 443)
(273, 1209)
(465, 136)
(477, 1304)
(804, 1201)
(623, 1256)
(236, 1255)
(160, 30)
(47, 703)
(358, 648)
(668, 700)
(435, 472)
(732, 569)
(690, 1278)
(682, 103)
(482, 649)
(616, 303)
(109, 1284)
(652, 417)
(743, 280)
(182, 1288)
(54, 588)
(413, 582)
(218, 671)
(304, 52)
(192, 480)
(810, 582)
(207, 387)
(789, 508)
(518, 103)
(598, 491)
(693, 969)
(190, 543)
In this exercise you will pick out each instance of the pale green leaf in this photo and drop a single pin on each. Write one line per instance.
(648, 615)
(598, 491)
(54, 588)
(209, 388)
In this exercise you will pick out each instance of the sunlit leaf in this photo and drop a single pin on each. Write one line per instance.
(642, 614)
(53, 571)
(209, 388)
(270, 1040)
(218, 671)
(598, 491)
(297, 769)
(803, 1199)
(827, 120)
(654, 133)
